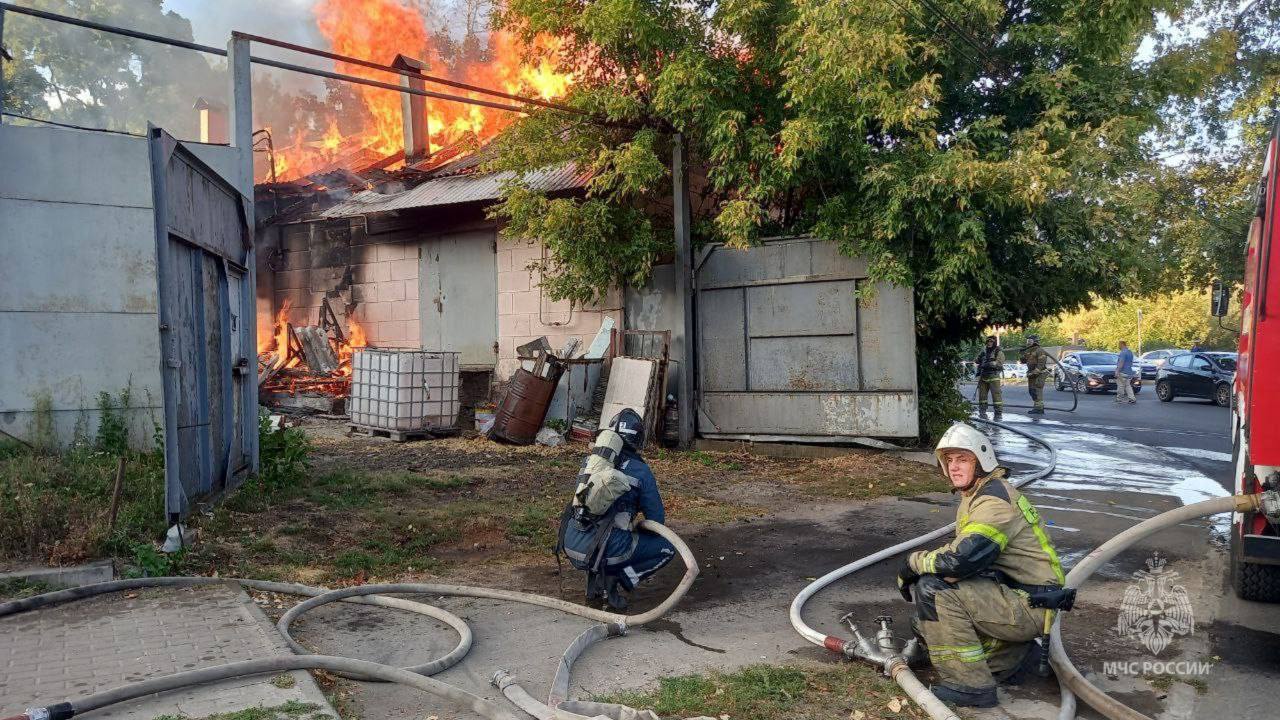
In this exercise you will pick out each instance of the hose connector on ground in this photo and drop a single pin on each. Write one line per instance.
(61, 711)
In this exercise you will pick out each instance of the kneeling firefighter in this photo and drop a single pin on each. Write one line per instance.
(598, 530)
(983, 600)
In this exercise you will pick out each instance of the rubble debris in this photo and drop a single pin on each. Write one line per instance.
(317, 350)
(549, 437)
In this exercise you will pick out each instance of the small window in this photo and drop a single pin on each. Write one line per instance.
(1200, 363)
(1181, 361)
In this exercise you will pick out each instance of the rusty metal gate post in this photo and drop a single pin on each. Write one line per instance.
(684, 287)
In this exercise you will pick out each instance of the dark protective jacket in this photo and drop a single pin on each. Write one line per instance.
(1036, 360)
(642, 498)
(997, 529)
(990, 362)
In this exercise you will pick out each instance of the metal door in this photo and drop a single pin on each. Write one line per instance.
(459, 297)
(204, 252)
(795, 343)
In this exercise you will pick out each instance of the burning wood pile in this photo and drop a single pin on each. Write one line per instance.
(309, 367)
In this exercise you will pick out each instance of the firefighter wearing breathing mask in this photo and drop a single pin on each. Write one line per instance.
(983, 599)
(598, 530)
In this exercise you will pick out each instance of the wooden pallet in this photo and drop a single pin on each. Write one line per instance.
(402, 435)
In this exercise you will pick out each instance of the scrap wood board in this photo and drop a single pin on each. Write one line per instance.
(631, 385)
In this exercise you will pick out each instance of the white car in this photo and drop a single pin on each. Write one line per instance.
(1014, 371)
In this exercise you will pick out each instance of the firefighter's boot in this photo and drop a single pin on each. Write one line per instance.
(966, 697)
(1024, 668)
(614, 597)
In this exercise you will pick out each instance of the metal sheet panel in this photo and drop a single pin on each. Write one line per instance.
(787, 347)
(456, 190)
(201, 225)
(722, 340)
(807, 308)
(458, 296)
(814, 414)
(886, 338)
(802, 364)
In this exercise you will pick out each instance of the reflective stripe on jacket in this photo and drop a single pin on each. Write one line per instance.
(996, 529)
(643, 497)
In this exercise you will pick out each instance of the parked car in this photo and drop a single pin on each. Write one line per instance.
(1090, 371)
(1206, 375)
(1013, 371)
(1152, 360)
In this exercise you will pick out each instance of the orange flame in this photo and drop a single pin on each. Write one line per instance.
(379, 29)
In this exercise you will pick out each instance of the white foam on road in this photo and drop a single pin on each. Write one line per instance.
(1089, 461)
(1199, 454)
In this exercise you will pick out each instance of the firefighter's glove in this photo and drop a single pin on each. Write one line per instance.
(906, 578)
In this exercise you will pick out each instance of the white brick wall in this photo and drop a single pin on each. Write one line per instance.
(518, 308)
(384, 288)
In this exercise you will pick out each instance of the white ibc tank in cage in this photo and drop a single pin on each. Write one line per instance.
(404, 390)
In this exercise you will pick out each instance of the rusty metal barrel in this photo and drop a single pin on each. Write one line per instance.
(523, 408)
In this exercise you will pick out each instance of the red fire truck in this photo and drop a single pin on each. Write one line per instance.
(1255, 542)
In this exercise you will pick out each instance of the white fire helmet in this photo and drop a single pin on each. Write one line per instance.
(966, 437)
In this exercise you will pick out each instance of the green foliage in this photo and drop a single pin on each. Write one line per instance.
(1006, 188)
(113, 423)
(940, 402)
(99, 80)
(282, 456)
(44, 436)
(53, 507)
(17, 588)
(1177, 319)
(148, 561)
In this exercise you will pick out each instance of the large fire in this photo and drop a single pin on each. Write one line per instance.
(276, 353)
(379, 29)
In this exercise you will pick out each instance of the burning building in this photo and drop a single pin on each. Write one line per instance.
(372, 224)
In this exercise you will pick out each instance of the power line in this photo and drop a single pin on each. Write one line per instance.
(958, 49)
(942, 15)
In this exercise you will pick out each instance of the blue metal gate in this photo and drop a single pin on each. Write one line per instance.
(204, 252)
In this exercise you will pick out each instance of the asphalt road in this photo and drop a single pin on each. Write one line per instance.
(1195, 430)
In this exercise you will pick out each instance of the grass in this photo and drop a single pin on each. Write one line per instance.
(53, 507)
(1164, 682)
(292, 710)
(18, 588)
(353, 509)
(766, 692)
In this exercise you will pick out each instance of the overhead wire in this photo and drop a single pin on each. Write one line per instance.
(943, 36)
(955, 27)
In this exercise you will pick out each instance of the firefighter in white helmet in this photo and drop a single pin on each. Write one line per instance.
(982, 599)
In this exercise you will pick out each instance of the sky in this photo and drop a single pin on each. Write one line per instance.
(213, 20)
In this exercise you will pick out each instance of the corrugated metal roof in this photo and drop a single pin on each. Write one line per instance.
(455, 190)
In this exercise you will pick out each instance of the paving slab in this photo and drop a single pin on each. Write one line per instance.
(88, 646)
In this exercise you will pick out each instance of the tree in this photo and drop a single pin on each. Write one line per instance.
(1176, 319)
(107, 81)
(1220, 63)
(990, 154)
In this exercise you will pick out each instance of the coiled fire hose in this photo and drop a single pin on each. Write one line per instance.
(895, 666)
(1072, 681)
(614, 624)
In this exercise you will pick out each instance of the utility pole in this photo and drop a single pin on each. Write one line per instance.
(684, 288)
(4, 54)
(1139, 332)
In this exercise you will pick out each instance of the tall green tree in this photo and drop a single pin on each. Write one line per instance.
(989, 153)
(108, 81)
(1219, 62)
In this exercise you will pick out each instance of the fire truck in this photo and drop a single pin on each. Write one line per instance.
(1255, 542)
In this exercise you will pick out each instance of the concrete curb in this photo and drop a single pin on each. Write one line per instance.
(65, 577)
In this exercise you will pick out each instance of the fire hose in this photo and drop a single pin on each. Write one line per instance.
(614, 624)
(896, 664)
(1072, 681)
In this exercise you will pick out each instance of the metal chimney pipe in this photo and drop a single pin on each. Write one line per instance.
(417, 136)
